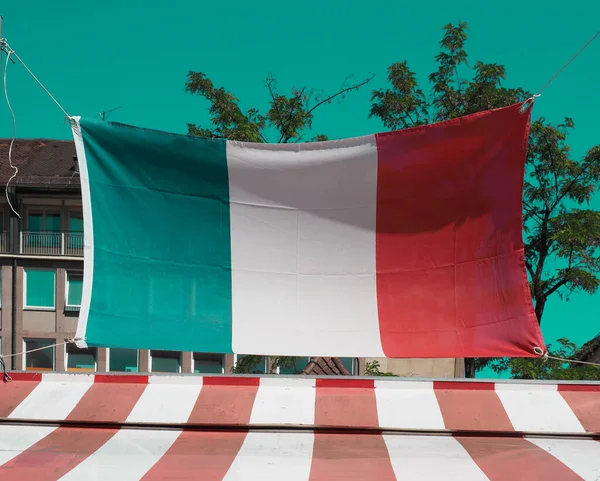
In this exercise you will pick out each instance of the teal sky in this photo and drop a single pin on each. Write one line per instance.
(94, 56)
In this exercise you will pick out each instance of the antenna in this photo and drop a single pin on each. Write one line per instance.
(106, 113)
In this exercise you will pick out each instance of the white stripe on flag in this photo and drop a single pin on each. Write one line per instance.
(166, 403)
(431, 458)
(284, 401)
(52, 399)
(127, 456)
(16, 439)
(273, 457)
(303, 248)
(409, 405)
(88, 234)
(537, 408)
(580, 455)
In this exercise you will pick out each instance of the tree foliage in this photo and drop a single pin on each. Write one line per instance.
(549, 369)
(374, 369)
(289, 116)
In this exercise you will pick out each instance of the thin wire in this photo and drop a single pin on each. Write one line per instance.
(574, 361)
(68, 341)
(570, 60)
(8, 48)
(15, 169)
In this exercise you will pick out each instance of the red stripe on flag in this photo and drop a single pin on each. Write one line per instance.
(515, 459)
(451, 280)
(351, 403)
(56, 454)
(198, 455)
(107, 402)
(12, 394)
(224, 403)
(350, 457)
(585, 404)
(471, 410)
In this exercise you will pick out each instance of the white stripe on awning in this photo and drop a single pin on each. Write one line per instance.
(273, 457)
(580, 455)
(127, 456)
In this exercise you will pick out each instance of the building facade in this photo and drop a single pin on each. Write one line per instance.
(41, 261)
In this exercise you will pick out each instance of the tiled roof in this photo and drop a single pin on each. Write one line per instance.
(40, 162)
(325, 366)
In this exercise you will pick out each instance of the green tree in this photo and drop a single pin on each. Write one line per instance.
(247, 364)
(561, 235)
(547, 369)
(374, 369)
(288, 118)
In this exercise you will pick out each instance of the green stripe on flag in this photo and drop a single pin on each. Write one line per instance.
(161, 234)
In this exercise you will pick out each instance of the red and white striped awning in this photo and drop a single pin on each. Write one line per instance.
(93, 427)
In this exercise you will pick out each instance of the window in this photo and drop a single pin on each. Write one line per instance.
(75, 235)
(39, 288)
(74, 289)
(75, 221)
(242, 364)
(123, 360)
(43, 220)
(165, 361)
(350, 364)
(295, 366)
(41, 360)
(81, 360)
(43, 230)
(207, 363)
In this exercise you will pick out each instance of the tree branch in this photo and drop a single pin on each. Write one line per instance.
(341, 92)
(555, 288)
(566, 191)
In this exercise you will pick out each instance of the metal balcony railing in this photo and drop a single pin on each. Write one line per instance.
(51, 243)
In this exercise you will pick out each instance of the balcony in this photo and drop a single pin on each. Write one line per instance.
(68, 244)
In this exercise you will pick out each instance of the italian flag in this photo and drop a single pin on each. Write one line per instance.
(401, 244)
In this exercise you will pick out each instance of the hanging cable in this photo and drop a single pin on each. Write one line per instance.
(10, 148)
(568, 62)
(68, 341)
(573, 361)
(7, 48)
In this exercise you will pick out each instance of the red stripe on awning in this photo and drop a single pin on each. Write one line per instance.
(357, 457)
(230, 381)
(56, 454)
(224, 403)
(472, 410)
(197, 455)
(503, 459)
(120, 379)
(352, 406)
(107, 402)
(12, 394)
(585, 404)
